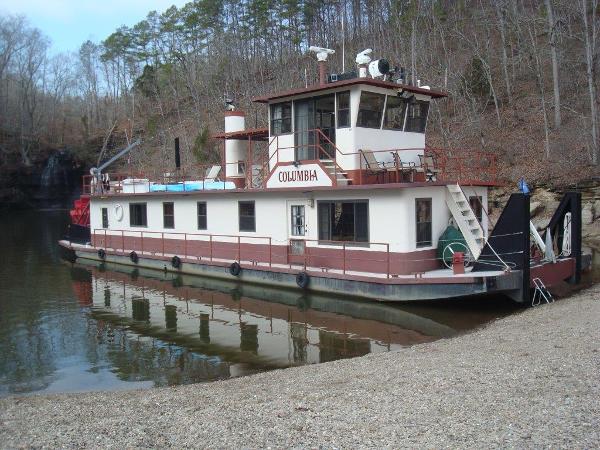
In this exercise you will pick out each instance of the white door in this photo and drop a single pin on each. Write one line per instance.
(297, 229)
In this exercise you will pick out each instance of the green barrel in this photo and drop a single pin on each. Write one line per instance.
(451, 236)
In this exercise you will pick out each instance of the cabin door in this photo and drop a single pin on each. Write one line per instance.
(297, 231)
(304, 123)
(315, 113)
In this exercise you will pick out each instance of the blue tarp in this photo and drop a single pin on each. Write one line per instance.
(192, 186)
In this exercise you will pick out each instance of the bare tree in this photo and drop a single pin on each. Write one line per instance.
(552, 27)
(590, 31)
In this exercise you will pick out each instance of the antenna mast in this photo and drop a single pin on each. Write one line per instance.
(343, 42)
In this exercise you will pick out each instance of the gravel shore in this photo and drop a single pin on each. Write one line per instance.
(529, 380)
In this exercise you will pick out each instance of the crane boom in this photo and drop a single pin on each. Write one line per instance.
(98, 170)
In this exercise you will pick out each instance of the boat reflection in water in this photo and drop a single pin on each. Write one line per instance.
(178, 330)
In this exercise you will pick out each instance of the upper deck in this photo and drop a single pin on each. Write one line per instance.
(356, 132)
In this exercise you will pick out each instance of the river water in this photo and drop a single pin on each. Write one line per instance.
(69, 327)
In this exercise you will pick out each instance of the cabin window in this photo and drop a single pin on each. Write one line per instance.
(370, 110)
(168, 215)
(137, 215)
(247, 216)
(281, 118)
(423, 219)
(416, 118)
(395, 110)
(104, 217)
(201, 208)
(476, 204)
(344, 221)
(343, 109)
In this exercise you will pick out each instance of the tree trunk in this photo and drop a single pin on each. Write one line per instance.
(555, 83)
(590, 44)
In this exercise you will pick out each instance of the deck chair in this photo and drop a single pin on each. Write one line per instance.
(404, 170)
(428, 167)
(372, 165)
(212, 174)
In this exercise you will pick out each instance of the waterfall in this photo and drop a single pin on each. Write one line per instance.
(56, 180)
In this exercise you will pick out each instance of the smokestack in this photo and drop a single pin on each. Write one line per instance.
(177, 156)
(322, 74)
(322, 54)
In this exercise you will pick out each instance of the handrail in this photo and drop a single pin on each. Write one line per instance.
(115, 240)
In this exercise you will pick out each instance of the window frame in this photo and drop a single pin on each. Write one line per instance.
(198, 216)
(385, 113)
(411, 120)
(104, 215)
(171, 225)
(294, 216)
(144, 215)
(338, 109)
(425, 243)
(329, 237)
(477, 201)
(282, 119)
(253, 216)
(360, 110)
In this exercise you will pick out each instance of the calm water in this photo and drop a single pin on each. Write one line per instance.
(76, 327)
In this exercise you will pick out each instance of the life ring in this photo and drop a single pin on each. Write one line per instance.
(102, 254)
(235, 269)
(302, 280)
(119, 212)
(176, 262)
(134, 257)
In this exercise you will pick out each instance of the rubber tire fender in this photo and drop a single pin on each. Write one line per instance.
(235, 269)
(302, 280)
(133, 256)
(102, 254)
(176, 262)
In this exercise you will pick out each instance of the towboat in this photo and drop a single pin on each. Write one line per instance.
(340, 194)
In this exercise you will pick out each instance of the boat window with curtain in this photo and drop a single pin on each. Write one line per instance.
(202, 222)
(370, 110)
(281, 118)
(168, 215)
(137, 215)
(104, 217)
(423, 221)
(247, 216)
(344, 220)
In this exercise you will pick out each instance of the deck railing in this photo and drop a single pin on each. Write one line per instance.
(470, 167)
(321, 256)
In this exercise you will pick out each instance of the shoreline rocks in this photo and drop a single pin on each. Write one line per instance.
(527, 380)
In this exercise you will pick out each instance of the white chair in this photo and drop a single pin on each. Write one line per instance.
(212, 174)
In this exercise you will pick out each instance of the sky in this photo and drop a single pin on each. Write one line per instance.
(69, 23)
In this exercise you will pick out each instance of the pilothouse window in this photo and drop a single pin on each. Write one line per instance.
(343, 109)
(281, 118)
(344, 221)
(370, 110)
(395, 110)
(416, 118)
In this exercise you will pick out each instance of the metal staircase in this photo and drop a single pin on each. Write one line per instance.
(339, 176)
(465, 219)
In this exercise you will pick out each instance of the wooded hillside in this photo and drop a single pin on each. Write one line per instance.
(522, 77)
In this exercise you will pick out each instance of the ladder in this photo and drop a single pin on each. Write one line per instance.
(340, 177)
(465, 219)
(541, 292)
